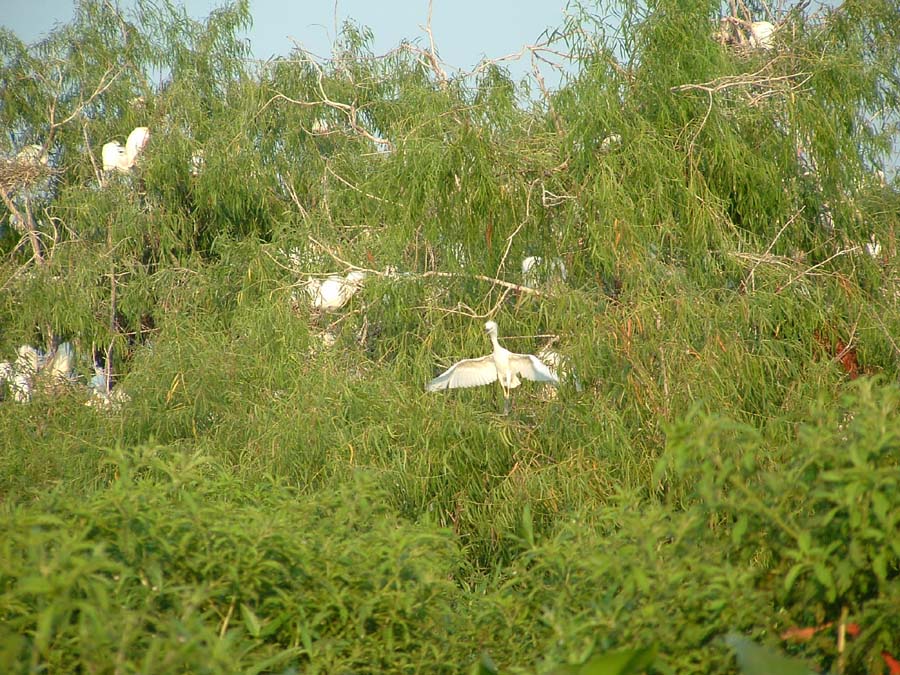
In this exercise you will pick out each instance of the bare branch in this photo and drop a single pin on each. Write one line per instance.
(353, 187)
(749, 279)
(27, 223)
(842, 252)
(431, 54)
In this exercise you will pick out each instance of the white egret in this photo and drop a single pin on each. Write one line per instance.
(61, 363)
(114, 157)
(135, 142)
(321, 126)
(32, 154)
(100, 383)
(761, 35)
(333, 292)
(103, 395)
(29, 359)
(7, 376)
(17, 223)
(21, 387)
(610, 142)
(535, 269)
(873, 247)
(117, 158)
(198, 159)
(501, 364)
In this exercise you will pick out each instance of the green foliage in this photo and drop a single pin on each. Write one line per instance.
(176, 565)
(821, 512)
(290, 499)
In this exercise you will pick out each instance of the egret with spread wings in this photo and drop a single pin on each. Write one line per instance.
(501, 364)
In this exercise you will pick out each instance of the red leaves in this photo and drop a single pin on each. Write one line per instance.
(892, 663)
(797, 634)
(843, 353)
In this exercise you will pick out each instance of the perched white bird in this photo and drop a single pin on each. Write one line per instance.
(103, 395)
(60, 365)
(17, 223)
(100, 383)
(333, 292)
(873, 247)
(320, 126)
(135, 142)
(117, 158)
(111, 401)
(502, 365)
(610, 142)
(535, 269)
(761, 35)
(7, 376)
(29, 360)
(114, 157)
(21, 387)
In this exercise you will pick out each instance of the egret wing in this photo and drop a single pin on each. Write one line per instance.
(532, 368)
(466, 373)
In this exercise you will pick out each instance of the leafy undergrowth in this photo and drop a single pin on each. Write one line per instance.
(177, 560)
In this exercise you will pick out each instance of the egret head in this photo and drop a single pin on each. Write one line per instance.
(491, 328)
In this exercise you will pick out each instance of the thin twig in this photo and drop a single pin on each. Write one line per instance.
(432, 52)
(749, 277)
(295, 199)
(227, 619)
(842, 639)
(27, 223)
(509, 239)
(845, 251)
(353, 187)
(431, 273)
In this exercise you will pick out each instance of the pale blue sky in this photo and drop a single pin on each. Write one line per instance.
(464, 30)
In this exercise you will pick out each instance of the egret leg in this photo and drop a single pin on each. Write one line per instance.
(506, 405)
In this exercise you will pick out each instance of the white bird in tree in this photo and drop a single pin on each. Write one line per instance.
(501, 364)
(117, 158)
(762, 35)
(114, 157)
(333, 292)
(135, 143)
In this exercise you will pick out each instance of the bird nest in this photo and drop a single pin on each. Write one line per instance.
(16, 174)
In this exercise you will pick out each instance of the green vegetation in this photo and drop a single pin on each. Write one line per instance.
(268, 502)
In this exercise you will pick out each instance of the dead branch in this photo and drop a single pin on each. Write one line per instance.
(539, 78)
(770, 85)
(842, 252)
(509, 239)
(295, 199)
(749, 279)
(101, 87)
(27, 223)
(431, 54)
(425, 275)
